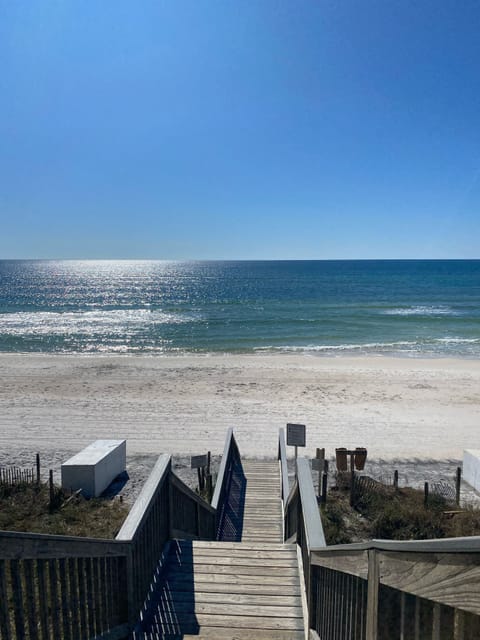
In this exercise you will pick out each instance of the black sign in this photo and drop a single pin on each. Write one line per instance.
(295, 435)
(318, 464)
(199, 461)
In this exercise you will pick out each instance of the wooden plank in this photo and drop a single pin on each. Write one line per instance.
(242, 553)
(90, 602)
(33, 546)
(97, 593)
(222, 472)
(42, 601)
(64, 599)
(185, 607)
(222, 578)
(233, 588)
(192, 621)
(450, 579)
(5, 628)
(17, 593)
(355, 563)
(82, 591)
(372, 596)
(243, 570)
(199, 596)
(72, 574)
(311, 515)
(236, 562)
(54, 604)
(217, 633)
(238, 545)
(31, 599)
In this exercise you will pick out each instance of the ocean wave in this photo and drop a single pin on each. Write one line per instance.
(339, 347)
(45, 323)
(458, 340)
(421, 310)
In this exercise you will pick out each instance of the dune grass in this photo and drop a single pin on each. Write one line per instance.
(25, 507)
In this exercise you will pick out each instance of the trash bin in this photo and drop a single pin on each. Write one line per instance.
(341, 458)
(360, 458)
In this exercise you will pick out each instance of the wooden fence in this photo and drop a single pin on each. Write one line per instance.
(382, 590)
(69, 588)
(15, 475)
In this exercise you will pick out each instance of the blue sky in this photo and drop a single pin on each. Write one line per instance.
(239, 129)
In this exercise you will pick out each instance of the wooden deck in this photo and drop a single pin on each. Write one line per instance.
(262, 514)
(246, 590)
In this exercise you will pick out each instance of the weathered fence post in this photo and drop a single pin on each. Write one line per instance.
(51, 490)
(38, 467)
(395, 479)
(458, 482)
(324, 487)
(320, 455)
(426, 494)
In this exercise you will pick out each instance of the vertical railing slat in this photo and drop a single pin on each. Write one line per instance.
(17, 593)
(42, 599)
(31, 598)
(64, 599)
(72, 573)
(54, 604)
(5, 627)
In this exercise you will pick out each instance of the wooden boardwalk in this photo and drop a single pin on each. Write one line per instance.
(246, 590)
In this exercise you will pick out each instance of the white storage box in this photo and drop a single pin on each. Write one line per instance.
(95, 467)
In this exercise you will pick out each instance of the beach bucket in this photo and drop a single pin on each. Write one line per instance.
(360, 458)
(341, 456)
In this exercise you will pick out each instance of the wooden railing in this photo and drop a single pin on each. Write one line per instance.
(383, 590)
(412, 589)
(282, 457)
(302, 522)
(229, 494)
(68, 588)
(62, 587)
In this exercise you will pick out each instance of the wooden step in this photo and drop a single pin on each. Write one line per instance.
(190, 622)
(217, 633)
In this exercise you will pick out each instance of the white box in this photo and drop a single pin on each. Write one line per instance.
(95, 467)
(471, 467)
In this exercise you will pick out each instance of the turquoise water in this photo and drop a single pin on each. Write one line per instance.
(414, 308)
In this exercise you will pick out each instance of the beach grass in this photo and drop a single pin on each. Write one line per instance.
(26, 507)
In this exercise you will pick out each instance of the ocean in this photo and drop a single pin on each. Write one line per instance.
(395, 307)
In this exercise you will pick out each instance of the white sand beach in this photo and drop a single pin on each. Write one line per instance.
(396, 407)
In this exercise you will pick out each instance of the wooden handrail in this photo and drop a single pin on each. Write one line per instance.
(434, 545)
(282, 456)
(141, 507)
(22, 546)
(229, 440)
(310, 513)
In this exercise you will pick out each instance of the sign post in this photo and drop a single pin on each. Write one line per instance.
(296, 438)
(199, 463)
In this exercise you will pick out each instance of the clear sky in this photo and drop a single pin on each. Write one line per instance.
(239, 129)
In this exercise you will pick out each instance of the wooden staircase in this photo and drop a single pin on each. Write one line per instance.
(247, 590)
